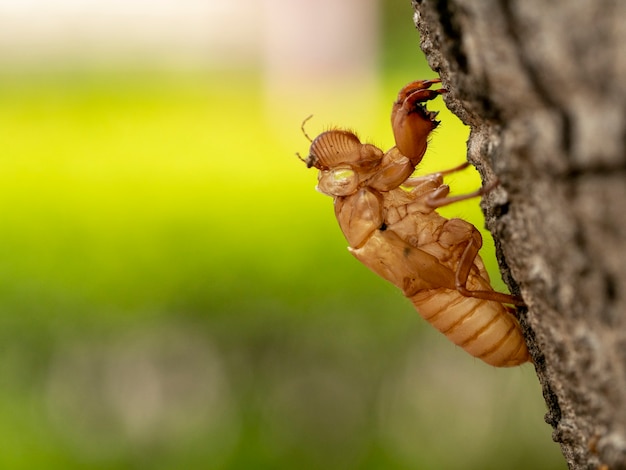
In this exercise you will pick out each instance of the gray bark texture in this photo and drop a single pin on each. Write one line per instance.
(542, 84)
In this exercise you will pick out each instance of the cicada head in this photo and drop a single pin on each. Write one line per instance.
(343, 161)
(336, 148)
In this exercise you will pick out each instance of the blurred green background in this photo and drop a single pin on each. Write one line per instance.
(173, 291)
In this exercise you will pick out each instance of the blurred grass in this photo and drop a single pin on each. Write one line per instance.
(107, 182)
(176, 295)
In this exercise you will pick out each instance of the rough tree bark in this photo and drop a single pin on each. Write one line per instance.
(543, 87)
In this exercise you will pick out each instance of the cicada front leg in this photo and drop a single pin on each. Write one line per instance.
(417, 91)
(411, 122)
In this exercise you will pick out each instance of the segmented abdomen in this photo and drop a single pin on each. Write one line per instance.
(485, 329)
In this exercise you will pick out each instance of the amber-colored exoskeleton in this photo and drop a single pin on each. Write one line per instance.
(390, 222)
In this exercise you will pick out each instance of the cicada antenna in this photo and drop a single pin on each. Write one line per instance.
(305, 135)
(306, 119)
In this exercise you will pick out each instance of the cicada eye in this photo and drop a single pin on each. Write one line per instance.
(341, 175)
(338, 182)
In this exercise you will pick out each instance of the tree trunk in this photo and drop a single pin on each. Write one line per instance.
(543, 87)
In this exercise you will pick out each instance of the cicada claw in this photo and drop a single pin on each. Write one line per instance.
(411, 122)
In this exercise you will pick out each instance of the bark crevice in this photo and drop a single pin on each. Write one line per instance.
(543, 88)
